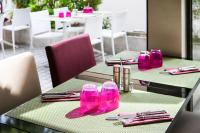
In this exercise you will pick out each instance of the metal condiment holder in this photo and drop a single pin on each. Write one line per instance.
(116, 75)
(123, 82)
(126, 78)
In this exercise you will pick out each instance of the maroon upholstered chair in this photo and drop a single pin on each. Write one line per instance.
(70, 57)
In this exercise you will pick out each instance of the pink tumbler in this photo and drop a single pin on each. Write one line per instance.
(156, 58)
(68, 14)
(144, 60)
(61, 15)
(109, 97)
(88, 10)
(89, 98)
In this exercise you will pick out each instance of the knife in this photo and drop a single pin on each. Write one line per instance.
(134, 115)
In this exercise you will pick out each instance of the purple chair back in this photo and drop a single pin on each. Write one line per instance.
(70, 57)
(1, 5)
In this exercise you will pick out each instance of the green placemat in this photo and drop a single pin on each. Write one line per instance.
(155, 75)
(52, 115)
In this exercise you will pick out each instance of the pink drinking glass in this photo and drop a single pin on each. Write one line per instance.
(68, 14)
(89, 98)
(88, 10)
(156, 58)
(144, 61)
(61, 15)
(109, 97)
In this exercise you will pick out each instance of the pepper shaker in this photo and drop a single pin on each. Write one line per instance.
(126, 78)
(116, 75)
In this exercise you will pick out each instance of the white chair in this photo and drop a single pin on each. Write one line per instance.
(1, 33)
(60, 25)
(93, 27)
(19, 81)
(1, 6)
(41, 27)
(118, 20)
(20, 21)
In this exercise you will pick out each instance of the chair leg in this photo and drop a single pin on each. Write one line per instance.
(2, 47)
(31, 39)
(126, 42)
(13, 41)
(113, 47)
(102, 51)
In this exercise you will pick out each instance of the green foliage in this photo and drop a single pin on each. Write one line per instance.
(37, 5)
(196, 9)
(21, 3)
(106, 23)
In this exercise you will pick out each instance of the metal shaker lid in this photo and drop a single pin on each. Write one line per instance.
(126, 69)
(116, 68)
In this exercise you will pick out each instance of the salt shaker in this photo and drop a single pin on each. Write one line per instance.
(126, 78)
(116, 75)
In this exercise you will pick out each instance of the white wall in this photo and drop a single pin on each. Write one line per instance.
(136, 12)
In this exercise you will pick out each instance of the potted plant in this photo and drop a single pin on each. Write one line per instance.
(21, 3)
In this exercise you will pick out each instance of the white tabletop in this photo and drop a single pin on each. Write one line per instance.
(73, 17)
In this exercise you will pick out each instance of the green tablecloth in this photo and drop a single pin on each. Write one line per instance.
(155, 75)
(52, 115)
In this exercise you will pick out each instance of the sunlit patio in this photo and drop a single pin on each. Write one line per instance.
(136, 39)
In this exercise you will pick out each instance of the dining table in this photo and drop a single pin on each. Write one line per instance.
(42, 117)
(154, 80)
(66, 21)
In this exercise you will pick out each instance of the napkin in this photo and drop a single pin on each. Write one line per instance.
(133, 119)
(130, 122)
(147, 118)
(60, 96)
(136, 115)
(182, 70)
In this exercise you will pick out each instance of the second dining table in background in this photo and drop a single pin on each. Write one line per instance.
(160, 81)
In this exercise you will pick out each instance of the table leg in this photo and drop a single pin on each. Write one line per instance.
(64, 29)
(184, 93)
(190, 105)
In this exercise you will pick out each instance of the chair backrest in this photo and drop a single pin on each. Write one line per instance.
(93, 26)
(40, 22)
(19, 81)
(1, 6)
(56, 13)
(70, 57)
(21, 17)
(118, 21)
(1, 27)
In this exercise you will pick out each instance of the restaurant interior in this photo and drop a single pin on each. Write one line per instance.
(99, 66)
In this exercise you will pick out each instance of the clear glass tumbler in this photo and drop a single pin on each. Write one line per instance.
(61, 15)
(156, 58)
(144, 61)
(89, 98)
(68, 14)
(109, 96)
